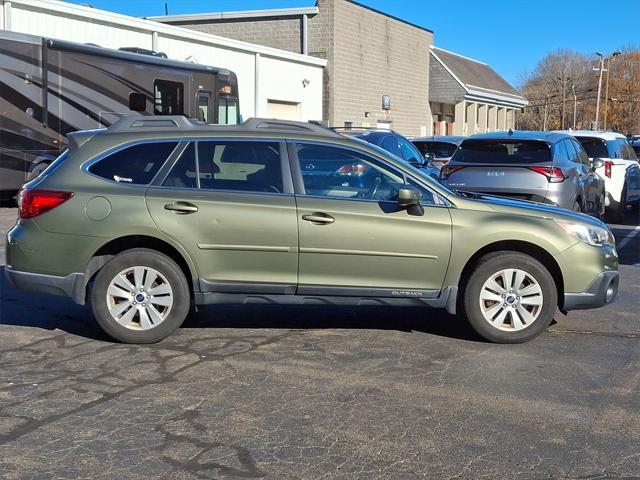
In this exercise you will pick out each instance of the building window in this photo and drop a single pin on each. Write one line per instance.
(168, 98)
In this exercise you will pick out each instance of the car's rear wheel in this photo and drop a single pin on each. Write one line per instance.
(140, 296)
(510, 297)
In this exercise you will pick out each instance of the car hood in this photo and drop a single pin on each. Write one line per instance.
(520, 207)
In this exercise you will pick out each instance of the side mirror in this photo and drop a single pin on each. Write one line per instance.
(597, 163)
(429, 157)
(408, 195)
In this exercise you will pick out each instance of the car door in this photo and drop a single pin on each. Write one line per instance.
(230, 204)
(588, 178)
(354, 239)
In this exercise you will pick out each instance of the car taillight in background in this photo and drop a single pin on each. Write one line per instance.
(32, 203)
(553, 174)
(447, 170)
(608, 164)
(352, 170)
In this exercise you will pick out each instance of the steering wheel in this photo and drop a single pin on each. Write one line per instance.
(371, 193)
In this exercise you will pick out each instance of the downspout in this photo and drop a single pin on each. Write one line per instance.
(305, 35)
(6, 16)
(256, 84)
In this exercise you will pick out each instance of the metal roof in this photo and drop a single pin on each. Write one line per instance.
(240, 14)
(473, 74)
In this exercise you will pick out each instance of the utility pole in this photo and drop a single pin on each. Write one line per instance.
(564, 96)
(546, 109)
(606, 90)
(599, 88)
(575, 105)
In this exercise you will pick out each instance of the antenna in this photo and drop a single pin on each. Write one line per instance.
(166, 8)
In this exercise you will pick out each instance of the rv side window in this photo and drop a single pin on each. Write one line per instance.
(168, 98)
(136, 165)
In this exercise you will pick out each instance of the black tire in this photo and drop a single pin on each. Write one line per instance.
(484, 270)
(145, 258)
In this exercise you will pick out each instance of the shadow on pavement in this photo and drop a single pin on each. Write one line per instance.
(26, 309)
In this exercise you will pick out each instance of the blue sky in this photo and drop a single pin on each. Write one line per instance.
(510, 35)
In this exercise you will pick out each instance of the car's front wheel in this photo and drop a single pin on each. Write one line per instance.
(140, 296)
(510, 297)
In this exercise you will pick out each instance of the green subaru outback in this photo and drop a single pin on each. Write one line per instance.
(154, 215)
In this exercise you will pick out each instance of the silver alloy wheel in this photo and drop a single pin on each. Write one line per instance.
(139, 298)
(511, 300)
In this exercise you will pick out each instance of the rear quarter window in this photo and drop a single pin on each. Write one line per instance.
(595, 147)
(502, 151)
(136, 165)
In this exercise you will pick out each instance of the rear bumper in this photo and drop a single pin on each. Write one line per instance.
(71, 286)
(602, 291)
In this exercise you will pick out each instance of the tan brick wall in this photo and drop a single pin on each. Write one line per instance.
(368, 55)
(374, 56)
(282, 33)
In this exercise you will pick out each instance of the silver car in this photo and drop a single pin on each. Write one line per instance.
(544, 167)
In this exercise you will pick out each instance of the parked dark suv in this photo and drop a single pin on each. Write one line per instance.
(152, 215)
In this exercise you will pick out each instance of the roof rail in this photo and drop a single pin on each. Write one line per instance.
(143, 122)
(179, 122)
(276, 124)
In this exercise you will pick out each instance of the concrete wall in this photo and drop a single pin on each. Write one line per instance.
(263, 73)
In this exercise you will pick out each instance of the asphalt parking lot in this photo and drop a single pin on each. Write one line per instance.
(311, 393)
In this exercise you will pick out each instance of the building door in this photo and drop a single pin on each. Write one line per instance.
(283, 110)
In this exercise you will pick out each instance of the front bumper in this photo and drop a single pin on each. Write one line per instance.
(602, 291)
(72, 286)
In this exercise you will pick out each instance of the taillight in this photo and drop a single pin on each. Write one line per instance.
(608, 164)
(352, 170)
(553, 174)
(447, 170)
(32, 203)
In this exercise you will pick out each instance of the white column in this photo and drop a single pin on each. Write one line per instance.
(257, 110)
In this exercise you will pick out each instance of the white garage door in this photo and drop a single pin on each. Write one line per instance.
(283, 110)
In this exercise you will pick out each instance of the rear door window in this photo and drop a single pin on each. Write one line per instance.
(503, 151)
(137, 164)
(595, 147)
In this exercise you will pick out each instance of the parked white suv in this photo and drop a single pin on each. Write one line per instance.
(621, 170)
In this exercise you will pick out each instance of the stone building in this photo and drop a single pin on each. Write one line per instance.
(467, 96)
(377, 72)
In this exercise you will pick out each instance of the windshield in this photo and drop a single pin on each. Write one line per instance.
(438, 149)
(502, 151)
(620, 148)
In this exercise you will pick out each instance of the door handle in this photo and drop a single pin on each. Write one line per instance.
(181, 207)
(319, 218)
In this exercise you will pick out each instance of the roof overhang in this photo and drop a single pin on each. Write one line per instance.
(203, 17)
(484, 95)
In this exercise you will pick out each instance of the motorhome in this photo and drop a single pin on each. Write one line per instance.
(50, 87)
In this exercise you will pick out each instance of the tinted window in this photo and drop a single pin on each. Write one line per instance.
(438, 149)
(595, 147)
(561, 154)
(620, 148)
(245, 166)
(136, 164)
(184, 173)
(391, 145)
(338, 172)
(409, 152)
(502, 151)
(582, 155)
(168, 98)
(572, 151)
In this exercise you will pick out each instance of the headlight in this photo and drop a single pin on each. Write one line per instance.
(596, 236)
